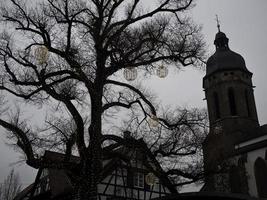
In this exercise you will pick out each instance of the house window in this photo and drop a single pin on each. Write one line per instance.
(138, 179)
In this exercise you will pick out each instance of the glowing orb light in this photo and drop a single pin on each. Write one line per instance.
(150, 179)
(162, 71)
(130, 73)
(41, 54)
(153, 121)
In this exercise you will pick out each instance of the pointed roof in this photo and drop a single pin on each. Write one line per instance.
(223, 58)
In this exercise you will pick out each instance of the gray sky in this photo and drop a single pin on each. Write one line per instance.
(243, 21)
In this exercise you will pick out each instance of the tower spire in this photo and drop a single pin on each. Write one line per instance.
(218, 23)
(221, 41)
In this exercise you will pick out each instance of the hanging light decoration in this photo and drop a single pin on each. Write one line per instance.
(162, 71)
(153, 121)
(41, 54)
(150, 179)
(130, 73)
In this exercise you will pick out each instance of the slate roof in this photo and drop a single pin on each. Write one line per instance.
(224, 59)
(260, 131)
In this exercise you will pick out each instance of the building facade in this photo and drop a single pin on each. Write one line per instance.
(235, 150)
(129, 173)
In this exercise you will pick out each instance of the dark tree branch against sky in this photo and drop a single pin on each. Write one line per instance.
(11, 186)
(66, 55)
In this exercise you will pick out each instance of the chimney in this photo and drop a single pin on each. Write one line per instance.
(127, 135)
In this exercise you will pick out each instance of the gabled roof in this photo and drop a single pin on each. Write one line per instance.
(259, 132)
(24, 192)
(59, 157)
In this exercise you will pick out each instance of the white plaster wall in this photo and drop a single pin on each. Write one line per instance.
(251, 158)
(119, 183)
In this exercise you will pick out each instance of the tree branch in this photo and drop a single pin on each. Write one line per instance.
(152, 108)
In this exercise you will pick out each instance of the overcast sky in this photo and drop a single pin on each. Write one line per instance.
(243, 21)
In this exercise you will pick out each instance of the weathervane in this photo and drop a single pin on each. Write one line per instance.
(218, 23)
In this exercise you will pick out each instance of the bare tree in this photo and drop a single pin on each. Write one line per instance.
(68, 54)
(11, 186)
(176, 142)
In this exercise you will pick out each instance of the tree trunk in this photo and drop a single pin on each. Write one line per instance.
(92, 161)
(91, 170)
(88, 185)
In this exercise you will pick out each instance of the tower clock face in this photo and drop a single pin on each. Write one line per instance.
(218, 129)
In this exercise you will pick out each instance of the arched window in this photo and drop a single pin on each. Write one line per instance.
(217, 105)
(232, 103)
(247, 103)
(260, 170)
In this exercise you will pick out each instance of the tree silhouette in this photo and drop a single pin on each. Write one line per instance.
(68, 54)
(10, 187)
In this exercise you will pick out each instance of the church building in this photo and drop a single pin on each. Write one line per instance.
(235, 150)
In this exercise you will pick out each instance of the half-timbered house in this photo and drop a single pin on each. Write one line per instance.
(128, 173)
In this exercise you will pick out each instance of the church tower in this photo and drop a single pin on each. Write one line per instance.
(229, 90)
(232, 111)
